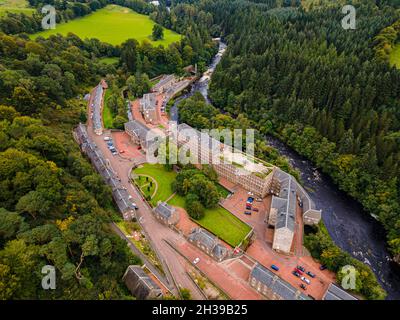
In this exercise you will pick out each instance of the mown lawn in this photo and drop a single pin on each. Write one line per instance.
(177, 201)
(112, 24)
(224, 225)
(219, 221)
(163, 178)
(108, 118)
(147, 185)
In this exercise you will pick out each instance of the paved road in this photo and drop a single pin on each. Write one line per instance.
(146, 261)
(174, 265)
(170, 260)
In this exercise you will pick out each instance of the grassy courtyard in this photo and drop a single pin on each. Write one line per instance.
(162, 178)
(112, 24)
(224, 225)
(218, 220)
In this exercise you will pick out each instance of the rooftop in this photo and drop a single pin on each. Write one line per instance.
(148, 102)
(164, 210)
(285, 203)
(96, 107)
(164, 80)
(276, 284)
(336, 293)
(139, 282)
(208, 240)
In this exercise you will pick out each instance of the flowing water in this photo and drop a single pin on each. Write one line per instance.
(350, 227)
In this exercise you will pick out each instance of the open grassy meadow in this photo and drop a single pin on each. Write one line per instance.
(15, 6)
(112, 24)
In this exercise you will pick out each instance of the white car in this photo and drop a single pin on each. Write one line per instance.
(196, 261)
(305, 280)
(107, 139)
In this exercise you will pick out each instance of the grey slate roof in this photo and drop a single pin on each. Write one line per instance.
(96, 108)
(163, 82)
(95, 155)
(285, 203)
(284, 178)
(164, 210)
(148, 102)
(139, 282)
(138, 128)
(204, 237)
(276, 284)
(209, 241)
(336, 293)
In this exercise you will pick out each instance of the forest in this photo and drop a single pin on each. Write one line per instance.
(322, 89)
(54, 209)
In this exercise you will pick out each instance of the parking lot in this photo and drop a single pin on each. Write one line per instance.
(126, 148)
(261, 248)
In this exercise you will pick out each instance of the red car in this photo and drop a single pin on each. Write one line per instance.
(299, 271)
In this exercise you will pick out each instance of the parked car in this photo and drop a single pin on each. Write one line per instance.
(248, 213)
(248, 208)
(305, 280)
(274, 267)
(301, 268)
(312, 275)
(322, 267)
(258, 199)
(303, 286)
(299, 271)
(295, 273)
(196, 261)
(122, 151)
(256, 209)
(107, 138)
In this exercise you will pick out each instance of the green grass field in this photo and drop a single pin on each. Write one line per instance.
(113, 24)
(163, 178)
(107, 114)
(15, 6)
(395, 56)
(218, 220)
(224, 225)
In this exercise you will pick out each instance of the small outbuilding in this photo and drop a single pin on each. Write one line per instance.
(166, 213)
(140, 284)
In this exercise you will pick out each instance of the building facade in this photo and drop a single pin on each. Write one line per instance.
(96, 107)
(250, 173)
(164, 84)
(273, 287)
(166, 213)
(208, 243)
(148, 108)
(140, 284)
(96, 157)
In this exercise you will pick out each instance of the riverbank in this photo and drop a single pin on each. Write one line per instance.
(349, 227)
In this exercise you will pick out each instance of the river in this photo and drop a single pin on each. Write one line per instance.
(350, 227)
